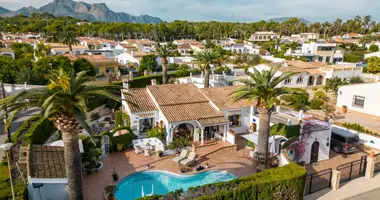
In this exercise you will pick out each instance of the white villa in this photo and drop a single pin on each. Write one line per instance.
(184, 109)
(310, 73)
(263, 36)
(360, 98)
(321, 52)
(133, 57)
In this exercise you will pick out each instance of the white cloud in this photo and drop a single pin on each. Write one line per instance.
(231, 10)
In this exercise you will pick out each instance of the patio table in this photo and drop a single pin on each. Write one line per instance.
(146, 150)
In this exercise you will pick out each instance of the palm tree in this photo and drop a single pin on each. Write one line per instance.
(69, 38)
(262, 89)
(164, 52)
(206, 59)
(64, 101)
(293, 46)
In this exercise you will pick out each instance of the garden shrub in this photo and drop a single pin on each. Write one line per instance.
(355, 80)
(41, 131)
(358, 127)
(316, 104)
(5, 189)
(119, 118)
(178, 143)
(19, 135)
(282, 183)
(287, 131)
(124, 140)
(155, 133)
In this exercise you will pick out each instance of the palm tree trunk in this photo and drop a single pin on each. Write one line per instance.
(6, 130)
(164, 71)
(73, 165)
(207, 77)
(262, 149)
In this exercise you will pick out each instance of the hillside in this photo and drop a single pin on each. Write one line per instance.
(92, 12)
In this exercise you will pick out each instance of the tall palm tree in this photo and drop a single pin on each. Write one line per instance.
(164, 52)
(262, 89)
(206, 59)
(64, 101)
(69, 38)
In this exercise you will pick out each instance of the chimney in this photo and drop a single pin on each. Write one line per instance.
(154, 82)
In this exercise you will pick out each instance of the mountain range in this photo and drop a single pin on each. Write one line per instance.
(91, 12)
(282, 19)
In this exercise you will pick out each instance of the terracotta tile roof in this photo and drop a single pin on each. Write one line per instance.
(172, 94)
(184, 46)
(222, 98)
(46, 162)
(214, 120)
(300, 66)
(6, 50)
(190, 111)
(141, 98)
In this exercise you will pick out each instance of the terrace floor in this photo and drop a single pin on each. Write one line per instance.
(127, 162)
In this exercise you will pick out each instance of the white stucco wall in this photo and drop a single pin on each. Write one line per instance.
(51, 189)
(244, 119)
(348, 72)
(368, 91)
(324, 139)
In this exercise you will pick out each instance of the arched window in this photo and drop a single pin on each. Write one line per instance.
(288, 81)
(299, 80)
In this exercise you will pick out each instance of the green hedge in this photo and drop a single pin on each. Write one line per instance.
(119, 118)
(5, 189)
(41, 131)
(287, 182)
(19, 135)
(124, 140)
(287, 131)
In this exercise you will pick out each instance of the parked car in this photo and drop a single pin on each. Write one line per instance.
(344, 142)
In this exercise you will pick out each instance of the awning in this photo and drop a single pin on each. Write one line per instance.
(59, 143)
(213, 121)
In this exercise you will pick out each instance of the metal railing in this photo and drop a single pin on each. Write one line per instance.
(352, 170)
(318, 181)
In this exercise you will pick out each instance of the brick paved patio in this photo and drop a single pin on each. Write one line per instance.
(128, 162)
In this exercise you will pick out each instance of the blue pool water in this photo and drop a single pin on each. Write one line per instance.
(163, 182)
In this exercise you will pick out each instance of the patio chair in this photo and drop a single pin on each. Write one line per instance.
(189, 160)
(137, 149)
(181, 156)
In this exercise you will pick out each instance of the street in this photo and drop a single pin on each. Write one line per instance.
(373, 195)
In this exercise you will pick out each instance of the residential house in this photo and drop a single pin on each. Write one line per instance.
(215, 80)
(185, 110)
(303, 37)
(101, 63)
(121, 48)
(185, 49)
(184, 41)
(94, 43)
(108, 53)
(184, 60)
(7, 43)
(7, 52)
(133, 57)
(143, 45)
(320, 52)
(60, 49)
(351, 36)
(263, 36)
(46, 173)
(310, 73)
(22, 36)
(360, 98)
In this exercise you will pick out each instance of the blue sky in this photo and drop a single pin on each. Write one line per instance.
(231, 10)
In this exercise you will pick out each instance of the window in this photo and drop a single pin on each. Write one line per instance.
(328, 58)
(234, 119)
(358, 101)
(288, 81)
(110, 69)
(338, 137)
(260, 37)
(299, 80)
(96, 70)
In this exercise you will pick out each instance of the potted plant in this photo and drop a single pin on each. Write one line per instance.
(184, 169)
(110, 191)
(115, 176)
(91, 160)
(159, 153)
(207, 165)
(344, 109)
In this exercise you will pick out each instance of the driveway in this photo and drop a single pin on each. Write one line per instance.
(336, 160)
(17, 122)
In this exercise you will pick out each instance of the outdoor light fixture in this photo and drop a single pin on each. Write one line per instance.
(6, 147)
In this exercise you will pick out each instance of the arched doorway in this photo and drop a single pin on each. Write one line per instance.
(310, 81)
(184, 130)
(319, 80)
(314, 152)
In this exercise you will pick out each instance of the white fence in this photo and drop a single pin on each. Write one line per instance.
(366, 139)
(370, 77)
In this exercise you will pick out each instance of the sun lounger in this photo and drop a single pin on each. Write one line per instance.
(181, 156)
(189, 160)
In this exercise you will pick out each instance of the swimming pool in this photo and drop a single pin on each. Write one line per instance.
(162, 182)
